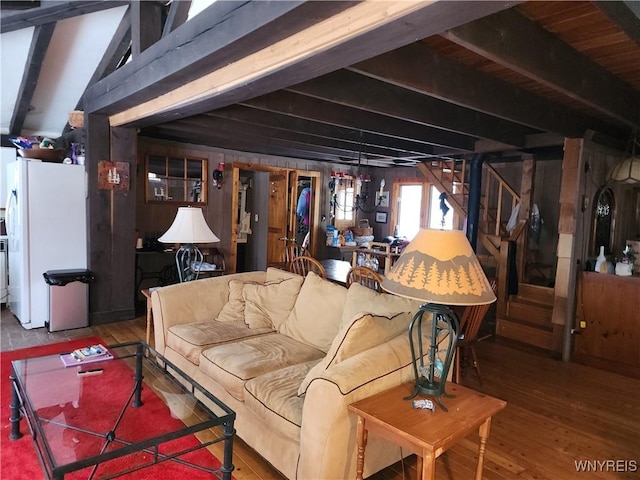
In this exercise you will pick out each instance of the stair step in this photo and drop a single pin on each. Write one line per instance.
(536, 293)
(530, 312)
(525, 332)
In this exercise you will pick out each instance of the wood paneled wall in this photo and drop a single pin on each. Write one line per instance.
(157, 218)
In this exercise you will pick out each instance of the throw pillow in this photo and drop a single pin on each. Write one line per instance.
(361, 299)
(269, 305)
(317, 313)
(276, 275)
(362, 332)
(233, 310)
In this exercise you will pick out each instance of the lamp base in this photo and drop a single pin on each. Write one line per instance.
(433, 389)
(432, 378)
(188, 256)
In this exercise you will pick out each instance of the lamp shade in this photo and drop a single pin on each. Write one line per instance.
(189, 226)
(439, 266)
(627, 171)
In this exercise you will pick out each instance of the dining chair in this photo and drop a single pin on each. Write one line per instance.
(468, 337)
(305, 264)
(293, 250)
(364, 276)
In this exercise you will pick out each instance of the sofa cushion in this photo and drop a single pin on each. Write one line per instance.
(190, 339)
(232, 365)
(273, 397)
(317, 313)
(362, 299)
(362, 332)
(269, 305)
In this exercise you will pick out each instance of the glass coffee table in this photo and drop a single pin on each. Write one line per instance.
(104, 420)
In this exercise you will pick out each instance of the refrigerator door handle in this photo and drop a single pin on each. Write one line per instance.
(12, 198)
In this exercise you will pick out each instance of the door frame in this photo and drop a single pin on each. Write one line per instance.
(293, 173)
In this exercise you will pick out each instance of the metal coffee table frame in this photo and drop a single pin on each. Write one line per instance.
(21, 406)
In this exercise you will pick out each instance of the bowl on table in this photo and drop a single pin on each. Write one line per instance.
(55, 155)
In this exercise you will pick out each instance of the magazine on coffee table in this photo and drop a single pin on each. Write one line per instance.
(86, 355)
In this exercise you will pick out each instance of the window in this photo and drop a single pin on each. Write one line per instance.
(176, 179)
(346, 190)
(419, 207)
(437, 208)
(410, 210)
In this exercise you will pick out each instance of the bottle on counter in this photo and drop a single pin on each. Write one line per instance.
(601, 262)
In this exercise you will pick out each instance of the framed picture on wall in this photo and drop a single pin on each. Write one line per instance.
(381, 217)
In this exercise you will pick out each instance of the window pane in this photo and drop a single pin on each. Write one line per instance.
(194, 169)
(409, 210)
(435, 212)
(176, 167)
(349, 195)
(157, 165)
(345, 197)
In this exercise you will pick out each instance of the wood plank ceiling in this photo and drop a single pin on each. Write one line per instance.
(513, 79)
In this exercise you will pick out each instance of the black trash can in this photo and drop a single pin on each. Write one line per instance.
(68, 298)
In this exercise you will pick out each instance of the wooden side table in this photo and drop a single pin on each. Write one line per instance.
(423, 432)
(147, 294)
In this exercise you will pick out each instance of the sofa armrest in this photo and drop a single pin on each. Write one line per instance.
(328, 434)
(192, 302)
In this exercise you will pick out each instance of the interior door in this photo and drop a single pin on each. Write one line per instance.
(278, 194)
(304, 208)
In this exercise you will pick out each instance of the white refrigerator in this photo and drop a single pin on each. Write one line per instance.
(47, 230)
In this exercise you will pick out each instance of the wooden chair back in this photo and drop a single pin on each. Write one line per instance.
(365, 276)
(293, 250)
(305, 264)
(469, 328)
(472, 319)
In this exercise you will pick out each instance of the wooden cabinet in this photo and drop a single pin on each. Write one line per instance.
(608, 322)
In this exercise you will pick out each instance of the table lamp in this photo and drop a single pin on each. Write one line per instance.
(188, 228)
(440, 268)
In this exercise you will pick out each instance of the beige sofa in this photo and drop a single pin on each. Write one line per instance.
(288, 355)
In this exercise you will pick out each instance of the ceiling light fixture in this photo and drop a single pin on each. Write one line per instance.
(628, 170)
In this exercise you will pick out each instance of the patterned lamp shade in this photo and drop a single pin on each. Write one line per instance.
(439, 266)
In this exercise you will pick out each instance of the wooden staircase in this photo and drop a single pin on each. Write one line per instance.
(525, 317)
(528, 316)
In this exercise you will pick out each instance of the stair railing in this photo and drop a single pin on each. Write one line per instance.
(496, 191)
(450, 176)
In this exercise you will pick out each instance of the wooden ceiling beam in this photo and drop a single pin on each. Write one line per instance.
(626, 16)
(219, 35)
(423, 70)
(146, 25)
(296, 124)
(53, 12)
(247, 143)
(507, 38)
(289, 103)
(348, 149)
(320, 41)
(37, 51)
(358, 91)
(178, 14)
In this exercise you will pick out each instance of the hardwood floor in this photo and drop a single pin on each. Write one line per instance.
(557, 414)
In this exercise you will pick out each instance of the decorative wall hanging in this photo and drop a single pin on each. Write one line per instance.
(113, 175)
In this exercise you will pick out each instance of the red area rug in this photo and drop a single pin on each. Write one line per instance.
(19, 460)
